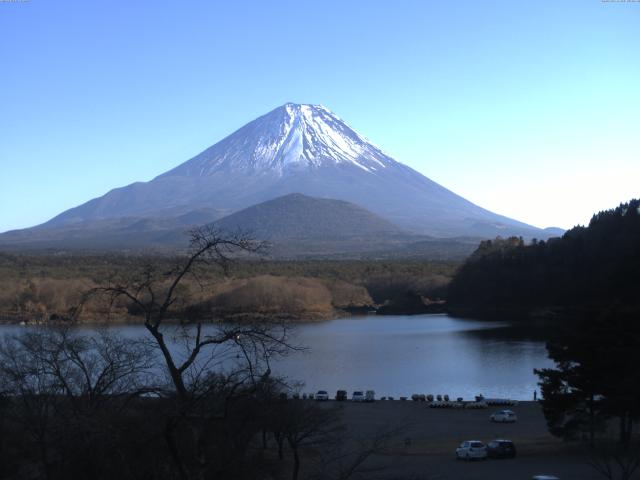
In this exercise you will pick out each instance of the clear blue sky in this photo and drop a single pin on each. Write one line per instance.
(530, 109)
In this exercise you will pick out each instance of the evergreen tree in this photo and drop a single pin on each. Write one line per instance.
(596, 376)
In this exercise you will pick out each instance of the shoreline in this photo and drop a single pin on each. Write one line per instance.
(310, 317)
(11, 319)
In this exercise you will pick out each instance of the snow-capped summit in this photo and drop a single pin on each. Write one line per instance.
(292, 136)
(298, 149)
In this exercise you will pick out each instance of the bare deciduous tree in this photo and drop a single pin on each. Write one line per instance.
(307, 425)
(154, 294)
(210, 367)
(347, 458)
(64, 391)
(615, 462)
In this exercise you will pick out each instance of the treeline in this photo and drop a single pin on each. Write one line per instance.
(594, 266)
(100, 267)
(51, 287)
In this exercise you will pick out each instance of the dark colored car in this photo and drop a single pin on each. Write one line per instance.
(501, 449)
(341, 395)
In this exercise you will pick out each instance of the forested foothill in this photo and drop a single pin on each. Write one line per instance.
(587, 268)
(586, 285)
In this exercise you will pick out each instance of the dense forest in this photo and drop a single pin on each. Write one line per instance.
(593, 266)
(587, 282)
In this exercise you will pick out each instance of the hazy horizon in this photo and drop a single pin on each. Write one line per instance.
(530, 111)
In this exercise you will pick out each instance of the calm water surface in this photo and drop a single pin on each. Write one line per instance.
(402, 355)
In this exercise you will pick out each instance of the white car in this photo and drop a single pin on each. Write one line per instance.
(370, 396)
(322, 395)
(504, 416)
(357, 396)
(471, 449)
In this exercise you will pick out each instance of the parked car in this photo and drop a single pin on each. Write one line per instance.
(370, 396)
(504, 416)
(357, 396)
(322, 395)
(501, 449)
(471, 449)
(341, 395)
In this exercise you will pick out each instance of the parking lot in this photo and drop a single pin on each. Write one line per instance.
(424, 445)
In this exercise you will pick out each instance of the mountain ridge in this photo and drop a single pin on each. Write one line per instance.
(298, 216)
(295, 226)
(298, 148)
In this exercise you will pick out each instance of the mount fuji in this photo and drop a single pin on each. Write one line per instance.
(295, 148)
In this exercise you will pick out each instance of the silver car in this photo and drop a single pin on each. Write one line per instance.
(504, 416)
(357, 396)
(322, 395)
(471, 449)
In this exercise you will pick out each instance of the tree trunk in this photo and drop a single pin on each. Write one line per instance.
(173, 449)
(629, 429)
(592, 421)
(44, 459)
(296, 463)
(176, 375)
(280, 441)
(623, 429)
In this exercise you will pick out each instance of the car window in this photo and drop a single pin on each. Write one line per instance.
(477, 444)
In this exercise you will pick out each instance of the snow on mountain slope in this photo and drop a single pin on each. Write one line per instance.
(288, 138)
(300, 149)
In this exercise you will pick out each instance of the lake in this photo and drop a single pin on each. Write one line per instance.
(401, 355)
